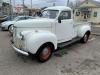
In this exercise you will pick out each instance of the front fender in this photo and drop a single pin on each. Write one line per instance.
(35, 39)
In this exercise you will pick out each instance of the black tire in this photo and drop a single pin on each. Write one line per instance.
(9, 29)
(85, 38)
(43, 57)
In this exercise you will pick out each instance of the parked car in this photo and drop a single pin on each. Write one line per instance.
(42, 36)
(6, 18)
(7, 24)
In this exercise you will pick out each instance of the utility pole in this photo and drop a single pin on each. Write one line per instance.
(54, 4)
(14, 8)
(31, 7)
(10, 7)
(23, 8)
(67, 2)
(14, 3)
(31, 4)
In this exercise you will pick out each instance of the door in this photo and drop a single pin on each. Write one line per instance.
(64, 30)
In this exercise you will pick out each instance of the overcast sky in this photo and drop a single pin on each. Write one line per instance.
(42, 3)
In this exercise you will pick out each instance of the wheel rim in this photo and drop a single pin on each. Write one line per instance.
(85, 38)
(11, 29)
(45, 53)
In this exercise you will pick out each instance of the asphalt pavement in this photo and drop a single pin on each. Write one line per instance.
(96, 29)
(77, 59)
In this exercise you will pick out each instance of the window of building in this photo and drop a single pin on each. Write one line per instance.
(95, 14)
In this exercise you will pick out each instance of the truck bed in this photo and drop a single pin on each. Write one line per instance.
(81, 23)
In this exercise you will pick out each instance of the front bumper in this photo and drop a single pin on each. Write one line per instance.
(4, 28)
(20, 51)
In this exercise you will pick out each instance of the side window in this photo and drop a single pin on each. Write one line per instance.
(27, 17)
(22, 18)
(65, 15)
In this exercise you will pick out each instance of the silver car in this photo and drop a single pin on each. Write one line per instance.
(7, 24)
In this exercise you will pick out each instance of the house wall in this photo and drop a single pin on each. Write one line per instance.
(89, 4)
(91, 19)
(93, 9)
(95, 19)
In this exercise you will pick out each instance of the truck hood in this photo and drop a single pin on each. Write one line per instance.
(34, 23)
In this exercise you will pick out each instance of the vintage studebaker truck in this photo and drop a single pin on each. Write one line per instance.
(43, 35)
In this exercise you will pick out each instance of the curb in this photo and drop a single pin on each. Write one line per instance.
(97, 34)
(98, 26)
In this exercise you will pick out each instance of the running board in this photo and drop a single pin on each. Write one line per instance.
(61, 45)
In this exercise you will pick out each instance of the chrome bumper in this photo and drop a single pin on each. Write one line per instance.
(20, 51)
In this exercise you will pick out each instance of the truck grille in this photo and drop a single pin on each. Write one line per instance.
(17, 41)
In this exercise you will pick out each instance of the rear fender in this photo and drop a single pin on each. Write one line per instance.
(83, 29)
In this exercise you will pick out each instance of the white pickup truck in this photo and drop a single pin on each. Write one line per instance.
(43, 35)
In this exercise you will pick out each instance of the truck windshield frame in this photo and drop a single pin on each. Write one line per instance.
(52, 14)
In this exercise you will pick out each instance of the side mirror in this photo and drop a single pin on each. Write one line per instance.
(59, 19)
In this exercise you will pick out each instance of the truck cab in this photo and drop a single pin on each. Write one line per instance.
(42, 35)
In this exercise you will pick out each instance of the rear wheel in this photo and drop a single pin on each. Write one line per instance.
(44, 53)
(85, 37)
(10, 29)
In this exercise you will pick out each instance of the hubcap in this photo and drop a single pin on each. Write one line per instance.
(85, 38)
(46, 53)
(11, 29)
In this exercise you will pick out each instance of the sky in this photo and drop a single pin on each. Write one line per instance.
(41, 3)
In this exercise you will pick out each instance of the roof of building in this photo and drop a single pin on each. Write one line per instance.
(92, 1)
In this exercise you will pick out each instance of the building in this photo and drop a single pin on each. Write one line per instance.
(89, 10)
(34, 11)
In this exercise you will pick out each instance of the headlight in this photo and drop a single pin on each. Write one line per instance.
(22, 36)
(2, 24)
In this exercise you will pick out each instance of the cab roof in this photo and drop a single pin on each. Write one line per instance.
(60, 8)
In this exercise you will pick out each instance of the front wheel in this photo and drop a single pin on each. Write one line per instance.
(44, 53)
(10, 29)
(85, 38)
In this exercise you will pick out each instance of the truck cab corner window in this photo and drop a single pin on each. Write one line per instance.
(65, 15)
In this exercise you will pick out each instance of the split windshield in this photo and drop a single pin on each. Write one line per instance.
(50, 14)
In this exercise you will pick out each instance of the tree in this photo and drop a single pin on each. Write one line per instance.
(71, 4)
(4, 4)
(6, 8)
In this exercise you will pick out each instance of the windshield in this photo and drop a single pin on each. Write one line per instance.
(50, 14)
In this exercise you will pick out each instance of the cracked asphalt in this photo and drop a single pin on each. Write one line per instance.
(76, 59)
